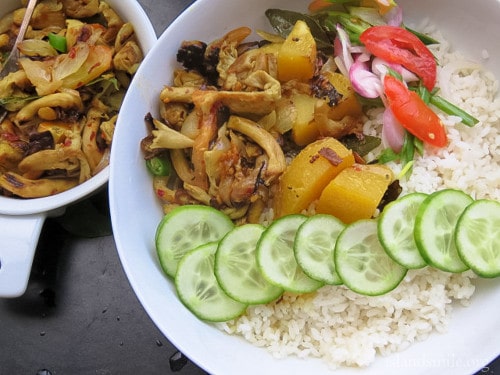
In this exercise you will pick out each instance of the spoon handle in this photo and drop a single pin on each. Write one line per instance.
(11, 63)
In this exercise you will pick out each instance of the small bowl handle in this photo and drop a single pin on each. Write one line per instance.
(18, 241)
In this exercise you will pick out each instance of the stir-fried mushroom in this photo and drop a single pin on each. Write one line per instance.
(61, 100)
(81, 8)
(77, 60)
(26, 188)
(224, 121)
(48, 13)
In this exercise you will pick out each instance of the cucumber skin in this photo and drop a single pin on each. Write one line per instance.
(301, 283)
(454, 264)
(418, 261)
(465, 252)
(365, 227)
(192, 215)
(231, 282)
(225, 308)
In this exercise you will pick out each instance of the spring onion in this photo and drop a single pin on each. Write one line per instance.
(58, 42)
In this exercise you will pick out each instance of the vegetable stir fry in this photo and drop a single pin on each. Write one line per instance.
(76, 62)
(238, 112)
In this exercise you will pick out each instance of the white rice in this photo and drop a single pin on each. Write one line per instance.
(347, 329)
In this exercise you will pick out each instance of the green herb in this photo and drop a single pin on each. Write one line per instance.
(159, 166)
(283, 21)
(444, 105)
(452, 109)
(106, 78)
(17, 99)
(426, 39)
(387, 155)
(361, 145)
(58, 42)
(411, 146)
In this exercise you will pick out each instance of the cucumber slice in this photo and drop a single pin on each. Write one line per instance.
(185, 228)
(434, 229)
(395, 230)
(314, 245)
(362, 262)
(477, 237)
(236, 267)
(276, 259)
(199, 290)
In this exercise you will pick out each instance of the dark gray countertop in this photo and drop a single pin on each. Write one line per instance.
(79, 315)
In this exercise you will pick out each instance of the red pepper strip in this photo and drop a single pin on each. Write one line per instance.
(397, 45)
(413, 114)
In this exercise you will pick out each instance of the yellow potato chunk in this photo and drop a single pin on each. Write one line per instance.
(355, 193)
(309, 173)
(297, 55)
(304, 129)
(349, 104)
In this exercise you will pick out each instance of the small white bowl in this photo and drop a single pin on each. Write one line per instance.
(470, 342)
(21, 220)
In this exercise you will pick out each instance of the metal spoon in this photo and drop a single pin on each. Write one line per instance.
(11, 64)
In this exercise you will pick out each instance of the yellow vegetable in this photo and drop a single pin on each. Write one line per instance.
(304, 129)
(349, 104)
(355, 193)
(308, 174)
(315, 117)
(297, 55)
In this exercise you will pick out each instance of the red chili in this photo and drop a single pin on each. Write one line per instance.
(413, 114)
(400, 46)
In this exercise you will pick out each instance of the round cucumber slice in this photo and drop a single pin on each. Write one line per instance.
(396, 230)
(314, 245)
(477, 237)
(185, 228)
(199, 290)
(276, 258)
(236, 267)
(434, 229)
(362, 262)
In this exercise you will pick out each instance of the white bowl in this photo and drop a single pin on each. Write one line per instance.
(22, 219)
(471, 341)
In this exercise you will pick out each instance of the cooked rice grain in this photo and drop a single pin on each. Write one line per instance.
(345, 328)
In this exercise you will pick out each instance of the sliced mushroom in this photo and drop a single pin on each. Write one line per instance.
(113, 21)
(26, 188)
(277, 162)
(228, 52)
(125, 34)
(128, 57)
(198, 193)
(67, 99)
(181, 165)
(48, 13)
(34, 165)
(81, 8)
(177, 94)
(166, 137)
(90, 147)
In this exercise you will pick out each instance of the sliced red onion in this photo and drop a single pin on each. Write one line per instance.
(342, 46)
(392, 131)
(379, 67)
(363, 81)
(395, 16)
